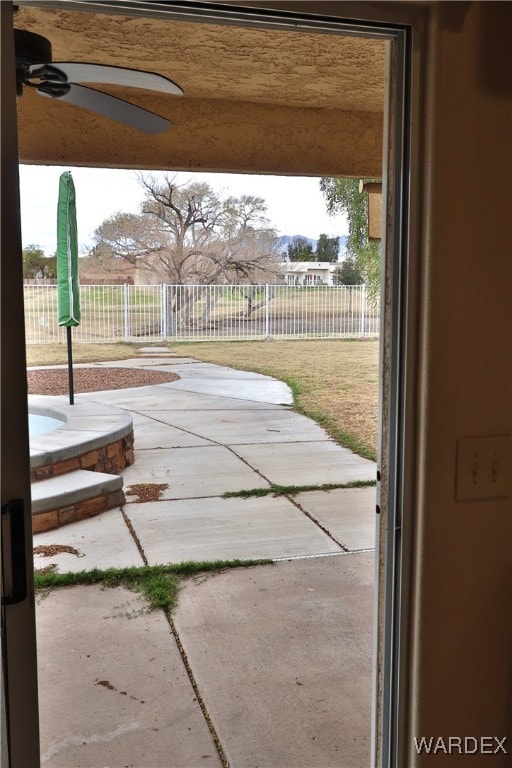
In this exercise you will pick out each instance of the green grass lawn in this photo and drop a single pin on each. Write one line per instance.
(335, 382)
(57, 354)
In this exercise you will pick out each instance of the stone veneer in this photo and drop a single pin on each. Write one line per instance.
(72, 513)
(111, 459)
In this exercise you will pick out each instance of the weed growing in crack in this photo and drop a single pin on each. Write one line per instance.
(159, 584)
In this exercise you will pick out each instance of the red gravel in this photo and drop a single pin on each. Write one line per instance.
(54, 381)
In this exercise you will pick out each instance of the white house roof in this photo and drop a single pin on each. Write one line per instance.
(306, 266)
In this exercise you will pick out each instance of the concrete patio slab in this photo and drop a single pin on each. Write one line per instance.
(225, 529)
(291, 682)
(348, 514)
(263, 392)
(101, 542)
(167, 397)
(173, 359)
(144, 362)
(307, 463)
(185, 397)
(192, 472)
(244, 426)
(154, 351)
(151, 433)
(113, 689)
(201, 370)
(281, 653)
(127, 399)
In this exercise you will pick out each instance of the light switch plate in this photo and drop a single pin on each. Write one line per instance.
(483, 468)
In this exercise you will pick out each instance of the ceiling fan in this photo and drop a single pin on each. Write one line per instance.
(59, 80)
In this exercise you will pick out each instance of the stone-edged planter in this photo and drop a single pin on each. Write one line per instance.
(67, 465)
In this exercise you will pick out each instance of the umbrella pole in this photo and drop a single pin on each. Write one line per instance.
(70, 367)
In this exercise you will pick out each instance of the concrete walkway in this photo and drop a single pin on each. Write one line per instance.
(268, 666)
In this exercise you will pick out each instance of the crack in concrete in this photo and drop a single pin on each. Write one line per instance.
(295, 503)
(200, 700)
(316, 522)
(186, 664)
(134, 536)
(323, 554)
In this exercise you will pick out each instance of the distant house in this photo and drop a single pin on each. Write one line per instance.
(114, 272)
(309, 272)
(118, 271)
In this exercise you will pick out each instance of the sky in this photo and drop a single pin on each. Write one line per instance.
(295, 204)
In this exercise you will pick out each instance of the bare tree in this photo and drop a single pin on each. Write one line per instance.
(185, 220)
(125, 237)
(249, 252)
(187, 235)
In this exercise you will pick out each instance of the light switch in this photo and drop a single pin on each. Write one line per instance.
(483, 468)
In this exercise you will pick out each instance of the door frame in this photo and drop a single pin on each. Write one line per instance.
(403, 26)
(20, 723)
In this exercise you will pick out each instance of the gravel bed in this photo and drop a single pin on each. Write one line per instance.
(55, 381)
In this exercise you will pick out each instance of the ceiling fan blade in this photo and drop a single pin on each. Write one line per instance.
(109, 106)
(83, 72)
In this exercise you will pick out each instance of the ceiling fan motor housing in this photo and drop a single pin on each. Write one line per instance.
(30, 49)
(61, 80)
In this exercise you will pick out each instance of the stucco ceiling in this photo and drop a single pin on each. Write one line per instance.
(255, 100)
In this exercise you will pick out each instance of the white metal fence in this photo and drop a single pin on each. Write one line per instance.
(204, 313)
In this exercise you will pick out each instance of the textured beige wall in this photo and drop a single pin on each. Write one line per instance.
(262, 101)
(207, 135)
(463, 600)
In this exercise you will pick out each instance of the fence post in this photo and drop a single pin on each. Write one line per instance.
(267, 315)
(177, 308)
(164, 311)
(362, 328)
(126, 301)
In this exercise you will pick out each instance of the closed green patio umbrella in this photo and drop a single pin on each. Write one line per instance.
(68, 288)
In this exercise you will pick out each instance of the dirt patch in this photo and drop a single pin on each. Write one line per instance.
(51, 568)
(55, 381)
(146, 491)
(48, 550)
(108, 685)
